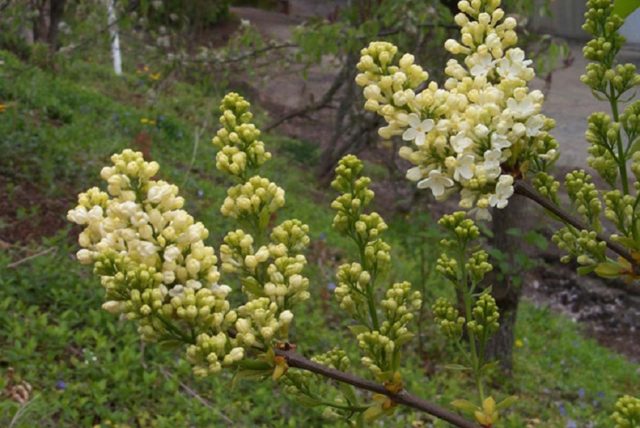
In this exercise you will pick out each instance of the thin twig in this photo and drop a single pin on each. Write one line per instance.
(405, 398)
(196, 143)
(22, 410)
(31, 257)
(525, 189)
(322, 103)
(186, 388)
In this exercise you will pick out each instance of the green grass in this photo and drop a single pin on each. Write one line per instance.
(87, 368)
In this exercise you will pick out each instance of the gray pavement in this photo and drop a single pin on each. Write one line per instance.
(570, 103)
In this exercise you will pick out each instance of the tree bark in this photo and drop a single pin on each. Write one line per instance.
(45, 25)
(505, 290)
(56, 12)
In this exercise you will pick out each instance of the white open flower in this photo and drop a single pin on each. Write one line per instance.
(414, 174)
(521, 109)
(437, 182)
(514, 65)
(504, 190)
(499, 141)
(460, 142)
(492, 157)
(418, 129)
(481, 64)
(534, 124)
(464, 167)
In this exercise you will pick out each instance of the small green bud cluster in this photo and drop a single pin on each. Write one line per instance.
(380, 342)
(261, 321)
(351, 290)
(602, 75)
(293, 234)
(238, 140)
(627, 414)
(209, 353)
(350, 219)
(447, 266)
(335, 358)
(630, 120)
(603, 135)
(620, 209)
(478, 265)
(448, 318)
(257, 198)
(462, 229)
(485, 316)
(465, 265)
(378, 351)
(585, 197)
(547, 185)
(583, 245)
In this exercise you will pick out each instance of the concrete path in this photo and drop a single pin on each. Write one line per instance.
(570, 103)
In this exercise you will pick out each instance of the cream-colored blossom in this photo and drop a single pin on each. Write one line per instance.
(437, 182)
(418, 129)
(484, 110)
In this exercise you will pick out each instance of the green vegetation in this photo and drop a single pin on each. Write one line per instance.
(56, 132)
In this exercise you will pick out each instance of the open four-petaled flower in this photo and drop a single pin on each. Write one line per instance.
(418, 129)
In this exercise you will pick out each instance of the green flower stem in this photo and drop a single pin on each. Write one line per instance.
(467, 297)
(178, 334)
(370, 294)
(621, 158)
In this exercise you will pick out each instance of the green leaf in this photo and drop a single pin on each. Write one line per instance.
(629, 242)
(455, 367)
(249, 374)
(348, 392)
(507, 402)
(625, 8)
(609, 270)
(307, 401)
(464, 405)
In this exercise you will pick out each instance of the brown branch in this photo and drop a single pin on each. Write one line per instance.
(319, 105)
(403, 397)
(525, 189)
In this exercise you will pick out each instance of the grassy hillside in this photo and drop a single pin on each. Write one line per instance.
(87, 368)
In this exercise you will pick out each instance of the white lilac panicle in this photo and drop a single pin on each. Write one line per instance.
(477, 132)
(152, 260)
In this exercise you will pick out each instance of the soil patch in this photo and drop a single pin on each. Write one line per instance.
(608, 312)
(28, 213)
